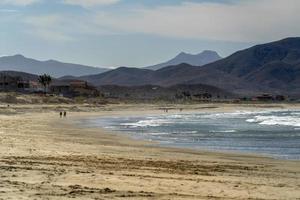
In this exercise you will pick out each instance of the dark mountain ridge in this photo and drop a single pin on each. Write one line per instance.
(268, 68)
(122, 76)
(246, 61)
(24, 76)
(273, 67)
(200, 59)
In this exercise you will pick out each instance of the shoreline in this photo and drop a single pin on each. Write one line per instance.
(155, 144)
(159, 144)
(45, 157)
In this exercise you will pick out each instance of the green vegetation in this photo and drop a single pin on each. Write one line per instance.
(45, 80)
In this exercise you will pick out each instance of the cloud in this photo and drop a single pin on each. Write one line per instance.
(246, 21)
(90, 3)
(48, 27)
(255, 20)
(18, 2)
(63, 28)
(8, 11)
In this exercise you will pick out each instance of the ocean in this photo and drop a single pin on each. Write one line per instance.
(273, 133)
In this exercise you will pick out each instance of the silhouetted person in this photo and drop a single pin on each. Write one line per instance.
(60, 114)
(65, 114)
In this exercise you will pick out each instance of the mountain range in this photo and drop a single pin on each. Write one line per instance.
(267, 68)
(200, 59)
(59, 69)
(51, 67)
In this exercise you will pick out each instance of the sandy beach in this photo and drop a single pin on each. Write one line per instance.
(45, 157)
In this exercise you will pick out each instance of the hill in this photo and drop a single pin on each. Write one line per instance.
(200, 59)
(52, 67)
(273, 67)
(168, 76)
(22, 75)
(122, 76)
(268, 68)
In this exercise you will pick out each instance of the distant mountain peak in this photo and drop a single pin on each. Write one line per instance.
(205, 52)
(55, 68)
(272, 68)
(203, 58)
(183, 54)
(51, 60)
(210, 52)
(17, 56)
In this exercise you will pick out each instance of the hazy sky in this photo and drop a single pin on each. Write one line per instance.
(111, 33)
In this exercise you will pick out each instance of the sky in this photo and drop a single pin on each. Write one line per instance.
(138, 33)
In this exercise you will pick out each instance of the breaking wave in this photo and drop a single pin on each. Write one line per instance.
(146, 123)
(276, 120)
(272, 132)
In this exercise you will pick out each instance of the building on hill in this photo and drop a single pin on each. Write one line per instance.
(263, 97)
(8, 83)
(280, 98)
(73, 88)
(269, 97)
(203, 96)
(17, 84)
(29, 86)
(60, 87)
(23, 84)
(78, 84)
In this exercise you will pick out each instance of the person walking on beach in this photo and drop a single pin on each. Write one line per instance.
(60, 114)
(65, 114)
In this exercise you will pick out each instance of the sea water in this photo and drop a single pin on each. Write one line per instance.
(272, 133)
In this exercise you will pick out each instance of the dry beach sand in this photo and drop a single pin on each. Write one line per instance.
(45, 157)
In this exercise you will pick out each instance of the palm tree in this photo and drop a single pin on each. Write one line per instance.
(45, 80)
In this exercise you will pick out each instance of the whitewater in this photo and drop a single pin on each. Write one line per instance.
(274, 133)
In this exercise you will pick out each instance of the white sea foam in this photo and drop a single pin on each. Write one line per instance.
(189, 132)
(223, 131)
(146, 123)
(230, 131)
(177, 116)
(251, 120)
(159, 133)
(237, 114)
(184, 132)
(276, 120)
(109, 127)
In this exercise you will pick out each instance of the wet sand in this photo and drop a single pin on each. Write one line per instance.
(45, 157)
